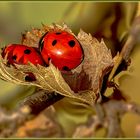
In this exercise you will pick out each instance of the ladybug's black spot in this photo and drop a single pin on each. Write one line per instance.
(66, 68)
(27, 51)
(71, 43)
(30, 78)
(54, 42)
(49, 58)
(14, 57)
(58, 33)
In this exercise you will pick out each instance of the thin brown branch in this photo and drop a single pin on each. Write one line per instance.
(42, 125)
(87, 130)
(10, 121)
(110, 114)
(21, 123)
(41, 100)
(133, 38)
(132, 107)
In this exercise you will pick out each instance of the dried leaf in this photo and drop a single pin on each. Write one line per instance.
(83, 83)
(32, 38)
(11, 74)
(77, 81)
(48, 78)
(97, 61)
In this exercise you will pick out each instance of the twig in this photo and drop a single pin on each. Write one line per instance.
(41, 100)
(113, 118)
(114, 110)
(132, 107)
(42, 125)
(128, 46)
(88, 130)
(10, 121)
(21, 123)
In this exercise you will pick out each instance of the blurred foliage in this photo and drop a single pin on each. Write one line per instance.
(110, 21)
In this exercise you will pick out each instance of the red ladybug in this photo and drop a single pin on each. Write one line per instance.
(21, 54)
(62, 48)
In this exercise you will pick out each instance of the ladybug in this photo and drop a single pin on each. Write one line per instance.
(62, 48)
(21, 54)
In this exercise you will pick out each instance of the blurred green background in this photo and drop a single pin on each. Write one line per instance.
(110, 21)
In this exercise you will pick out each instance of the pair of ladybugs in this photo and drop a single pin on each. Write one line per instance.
(62, 48)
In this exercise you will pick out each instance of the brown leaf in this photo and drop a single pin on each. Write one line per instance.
(83, 83)
(31, 38)
(77, 81)
(97, 63)
(48, 78)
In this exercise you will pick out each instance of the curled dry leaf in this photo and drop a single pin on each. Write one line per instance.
(98, 59)
(47, 78)
(32, 38)
(83, 83)
(97, 63)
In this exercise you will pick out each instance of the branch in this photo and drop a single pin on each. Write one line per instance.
(132, 40)
(87, 130)
(43, 124)
(108, 116)
(41, 100)
(21, 123)
(10, 121)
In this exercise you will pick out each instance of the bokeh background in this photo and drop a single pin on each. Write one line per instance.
(110, 21)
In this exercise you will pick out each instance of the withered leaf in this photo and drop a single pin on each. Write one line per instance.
(31, 38)
(47, 78)
(97, 61)
(83, 83)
